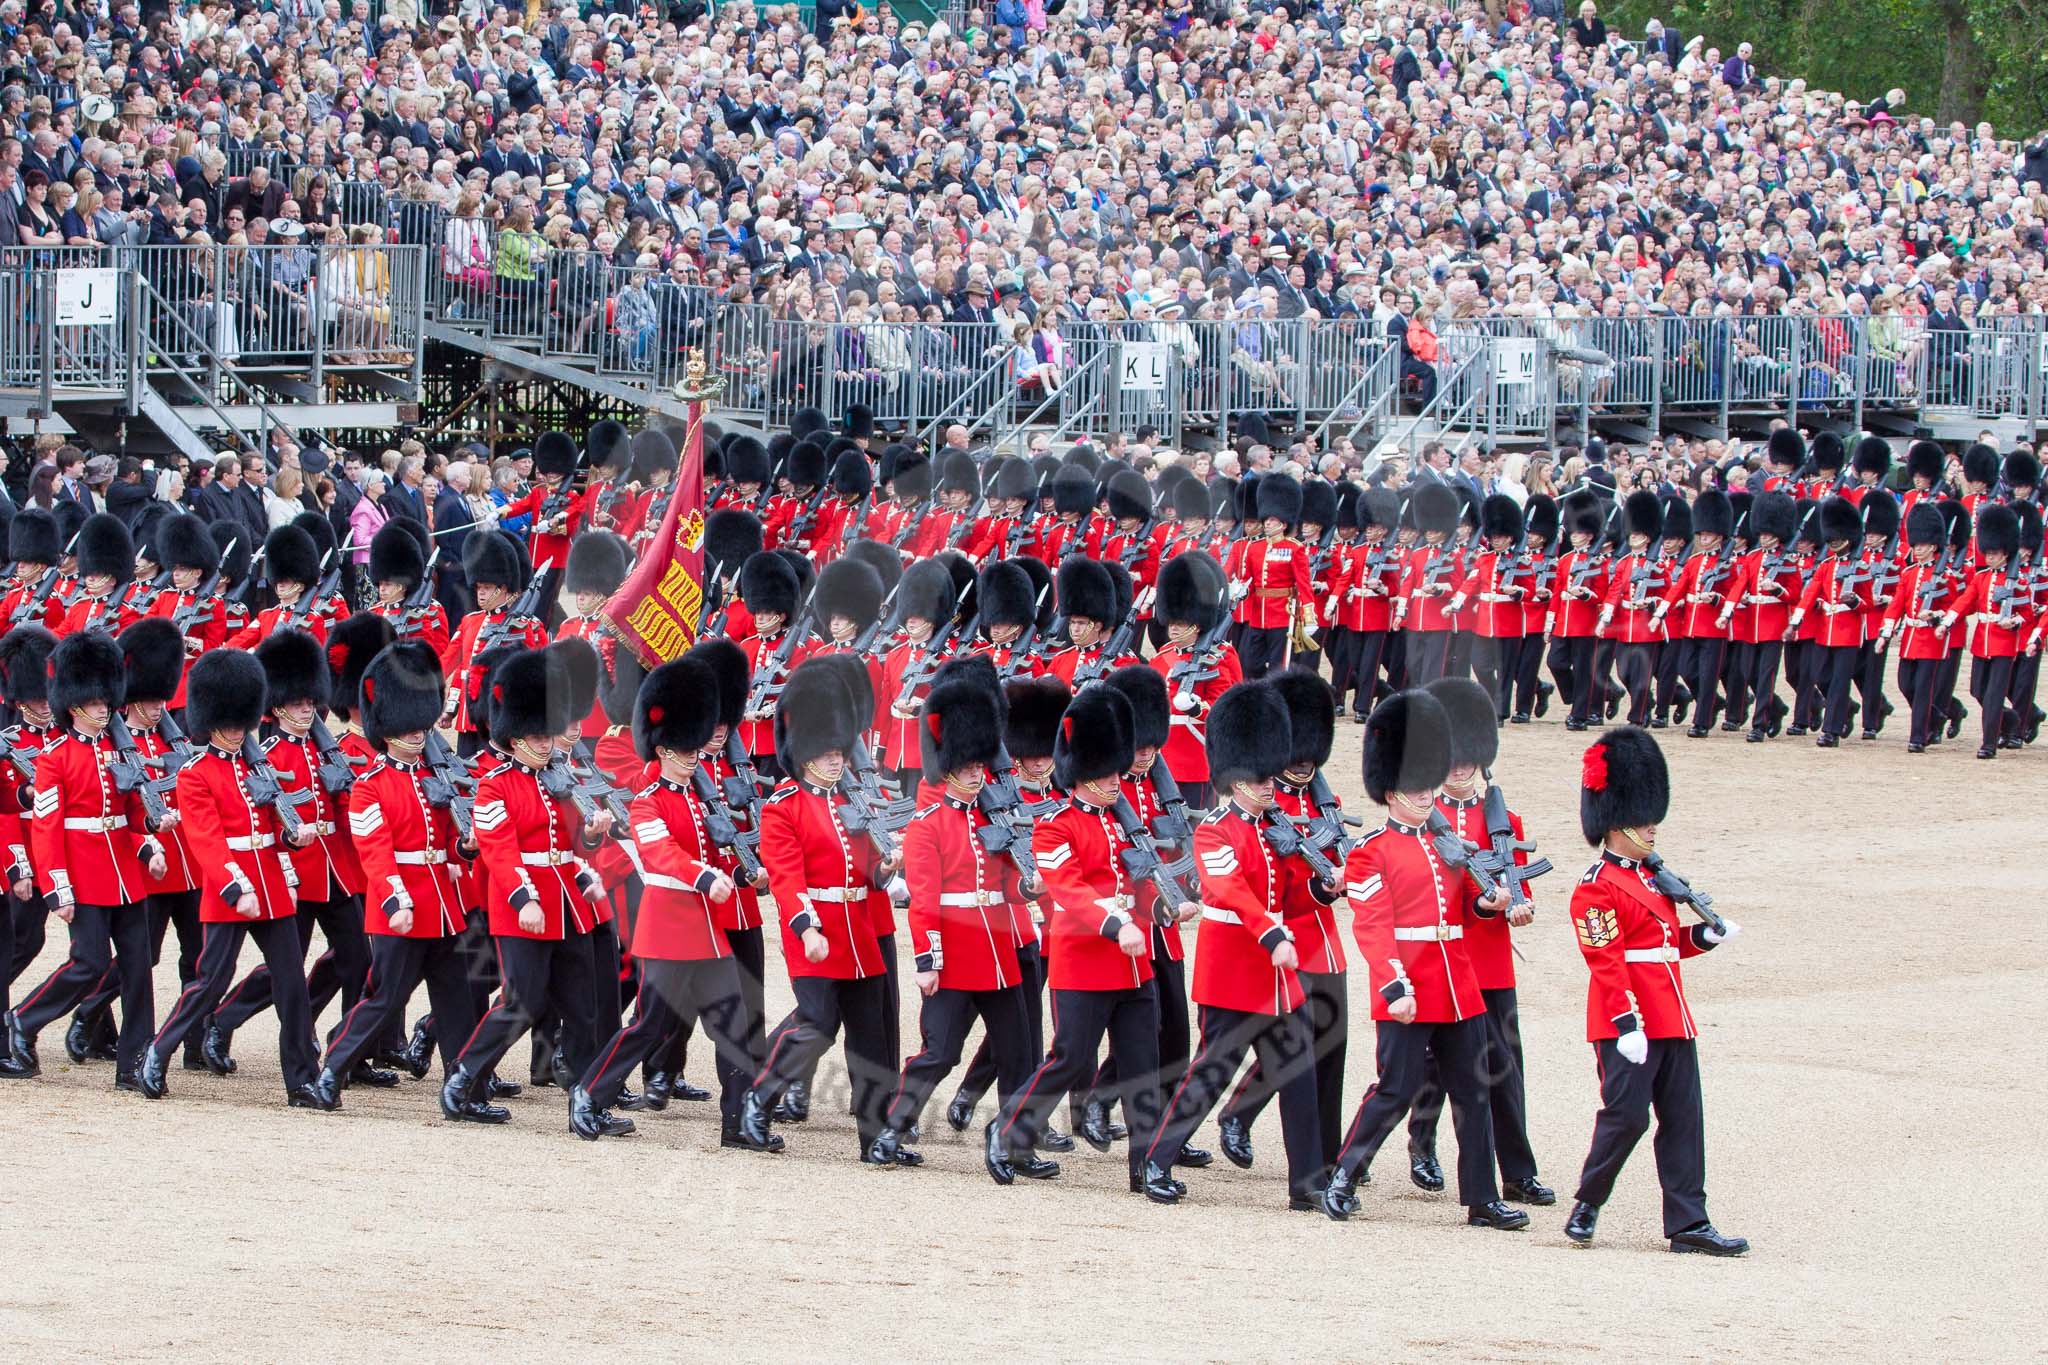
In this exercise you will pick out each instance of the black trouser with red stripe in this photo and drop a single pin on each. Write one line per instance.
(539, 976)
(1328, 1012)
(28, 920)
(1571, 663)
(282, 949)
(1429, 656)
(1636, 666)
(670, 993)
(1669, 1081)
(103, 938)
(1918, 679)
(165, 909)
(1363, 653)
(1490, 670)
(397, 966)
(1836, 670)
(340, 970)
(1403, 1052)
(1507, 1097)
(1286, 1050)
(1764, 657)
(981, 1069)
(1176, 1039)
(1670, 656)
(1991, 685)
(944, 1020)
(1261, 649)
(1080, 1021)
(824, 1005)
(673, 1053)
(1700, 665)
(1526, 671)
(1871, 658)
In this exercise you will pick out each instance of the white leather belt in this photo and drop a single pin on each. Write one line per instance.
(661, 882)
(1220, 915)
(976, 899)
(553, 857)
(416, 858)
(834, 895)
(1429, 933)
(1651, 955)
(96, 824)
(248, 843)
(320, 827)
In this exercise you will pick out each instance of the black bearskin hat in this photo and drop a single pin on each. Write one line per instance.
(958, 473)
(1880, 515)
(290, 556)
(1774, 514)
(1073, 490)
(1151, 713)
(1677, 520)
(605, 445)
(730, 670)
(32, 538)
(1925, 460)
(183, 542)
(555, 453)
(927, 592)
(1980, 464)
(1809, 521)
(768, 585)
(1643, 513)
(598, 562)
(1998, 529)
(1584, 516)
(1312, 712)
(732, 535)
(962, 725)
(1500, 515)
(816, 715)
(1094, 739)
(237, 554)
(1223, 500)
(848, 588)
(1130, 497)
(1280, 499)
(807, 420)
(1086, 590)
(582, 669)
(676, 708)
(493, 557)
(853, 675)
(746, 460)
(226, 690)
(912, 479)
(1436, 508)
(1250, 735)
(1540, 517)
(852, 475)
(1827, 451)
(2022, 470)
(1475, 725)
(2029, 514)
(351, 645)
(154, 653)
(1956, 517)
(1379, 507)
(1005, 595)
(1623, 783)
(1786, 448)
(1874, 456)
(885, 561)
(1190, 500)
(1924, 525)
(395, 556)
(1319, 503)
(1192, 587)
(859, 422)
(105, 547)
(1033, 707)
(1713, 514)
(320, 529)
(1839, 520)
(1013, 479)
(25, 663)
(1407, 745)
(294, 668)
(400, 692)
(1085, 455)
(806, 466)
(530, 694)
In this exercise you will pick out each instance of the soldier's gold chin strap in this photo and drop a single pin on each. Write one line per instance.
(1635, 836)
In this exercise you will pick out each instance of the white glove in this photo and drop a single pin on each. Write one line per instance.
(1634, 1046)
(1186, 702)
(1722, 935)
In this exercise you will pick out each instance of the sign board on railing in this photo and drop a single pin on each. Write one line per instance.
(1146, 364)
(88, 297)
(1515, 361)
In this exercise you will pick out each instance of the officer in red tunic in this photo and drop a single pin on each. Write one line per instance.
(32, 597)
(963, 903)
(397, 565)
(1761, 592)
(411, 866)
(823, 877)
(1475, 743)
(1272, 577)
(495, 567)
(1409, 914)
(1643, 1034)
(249, 881)
(91, 848)
(687, 971)
(542, 894)
(1100, 972)
(1247, 980)
(24, 682)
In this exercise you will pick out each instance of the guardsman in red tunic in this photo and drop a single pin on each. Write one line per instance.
(186, 548)
(32, 597)
(823, 876)
(598, 563)
(496, 571)
(963, 902)
(91, 848)
(1008, 528)
(927, 600)
(1198, 663)
(397, 567)
(1272, 577)
(908, 477)
(1761, 591)
(1125, 537)
(24, 683)
(1884, 557)
(732, 536)
(1100, 973)
(1784, 457)
(1063, 533)
(325, 865)
(653, 469)
(769, 587)
(557, 512)
(249, 884)
(1007, 605)
(687, 972)
(1409, 913)
(1247, 980)
(1998, 607)
(747, 472)
(291, 563)
(946, 523)
(105, 598)
(1645, 1041)
(1312, 920)
(1981, 468)
(412, 862)
(542, 898)
(1496, 591)
(1475, 743)
(1088, 600)
(1629, 614)
(1914, 617)
(1429, 579)
(1837, 610)
(1925, 464)
(1693, 601)
(1575, 593)
(1032, 711)
(797, 522)
(1362, 585)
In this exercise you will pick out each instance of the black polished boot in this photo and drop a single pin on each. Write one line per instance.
(995, 1156)
(693, 1094)
(362, 1073)
(655, 1096)
(1338, 1200)
(498, 1088)
(215, 1049)
(583, 1121)
(1530, 1191)
(149, 1077)
(21, 1047)
(1709, 1241)
(329, 1086)
(309, 1096)
(1193, 1156)
(1051, 1139)
(752, 1129)
(1157, 1184)
(1236, 1141)
(795, 1104)
(959, 1113)
(1498, 1216)
(78, 1040)
(1425, 1172)
(458, 1102)
(888, 1150)
(418, 1054)
(1579, 1227)
(1094, 1125)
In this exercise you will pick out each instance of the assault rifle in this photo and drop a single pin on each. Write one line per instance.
(742, 790)
(1142, 861)
(24, 760)
(31, 606)
(1115, 647)
(449, 784)
(1454, 852)
(188, 617)
(419, 603)
(805, 519)
(1202, 663)
(130, 770)
(1327, 826)
(317, 595)
(1502, 846)
(768, 678)
(1174, 824)
(1285, 836)
(910, 525)
(722, 823)
(921, 673)
(1683, 892)
(607, 795)
(337, 771)
(267, 789)
(521, 608)
(967, 519)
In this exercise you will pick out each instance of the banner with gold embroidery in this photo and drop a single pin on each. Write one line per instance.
(656, 612)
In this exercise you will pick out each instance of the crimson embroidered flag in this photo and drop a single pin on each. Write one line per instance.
(656, 611)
